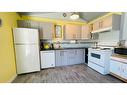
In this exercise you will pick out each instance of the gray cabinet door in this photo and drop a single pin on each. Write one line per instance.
(22, 23)
(58, 58)
(46, 30)
(76, 56)
(64, 57)
(61, 57)
(79, 56)
(71, 57)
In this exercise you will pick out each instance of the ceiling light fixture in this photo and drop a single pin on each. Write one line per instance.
(74, 16)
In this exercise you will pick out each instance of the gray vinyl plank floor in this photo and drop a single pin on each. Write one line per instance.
(67, 74)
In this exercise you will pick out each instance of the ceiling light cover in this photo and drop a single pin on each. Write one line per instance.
(74, 16)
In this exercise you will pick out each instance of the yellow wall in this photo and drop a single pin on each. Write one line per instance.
(7, 58)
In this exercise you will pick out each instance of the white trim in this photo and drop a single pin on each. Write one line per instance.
(102, 30)
(13, 78)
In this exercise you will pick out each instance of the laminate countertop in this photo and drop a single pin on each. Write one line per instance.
(120, 58)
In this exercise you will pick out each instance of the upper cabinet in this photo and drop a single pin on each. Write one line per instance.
(107, 22)
(111, 22)
(72, 31)
(85, 34)
(46, 29)
(96, 26)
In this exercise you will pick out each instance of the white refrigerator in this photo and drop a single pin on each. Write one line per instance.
(26, 43)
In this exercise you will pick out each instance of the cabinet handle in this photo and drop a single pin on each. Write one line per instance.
(60, 53)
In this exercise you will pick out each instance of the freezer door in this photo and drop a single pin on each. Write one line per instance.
(27, 58)
(25, 36)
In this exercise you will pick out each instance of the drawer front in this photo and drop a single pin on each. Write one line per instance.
(96, 57)
(115, 67)
(97, 68)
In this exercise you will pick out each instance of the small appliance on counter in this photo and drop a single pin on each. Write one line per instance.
(57, 45)
(46, 46)
(122, 51)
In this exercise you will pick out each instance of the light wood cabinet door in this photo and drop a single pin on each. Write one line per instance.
(103, 23)
(78, 30)
(72, 31)
(69, 32)
(46, 30)
(85, 32)
(96, 26)
(107, 22)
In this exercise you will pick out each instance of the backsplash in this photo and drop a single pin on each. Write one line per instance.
(72, 43)
(109, 38)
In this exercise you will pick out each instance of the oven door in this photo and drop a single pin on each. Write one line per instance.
(96, 57)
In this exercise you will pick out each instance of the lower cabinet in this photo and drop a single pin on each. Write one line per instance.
(115, 67)
(61, 57)
(124, 71)
(47, 59)
(65, 57)
(119, 69)
(69, 57)
(80, 56)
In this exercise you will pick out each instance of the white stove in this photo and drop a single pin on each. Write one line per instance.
(99, 59)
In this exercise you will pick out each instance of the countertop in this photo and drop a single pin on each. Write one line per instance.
(63, 48)
(120, 58)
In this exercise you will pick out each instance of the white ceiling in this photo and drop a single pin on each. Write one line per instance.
(84, 16)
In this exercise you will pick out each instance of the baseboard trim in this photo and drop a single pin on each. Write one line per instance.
(12, 79)
(125, 80)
